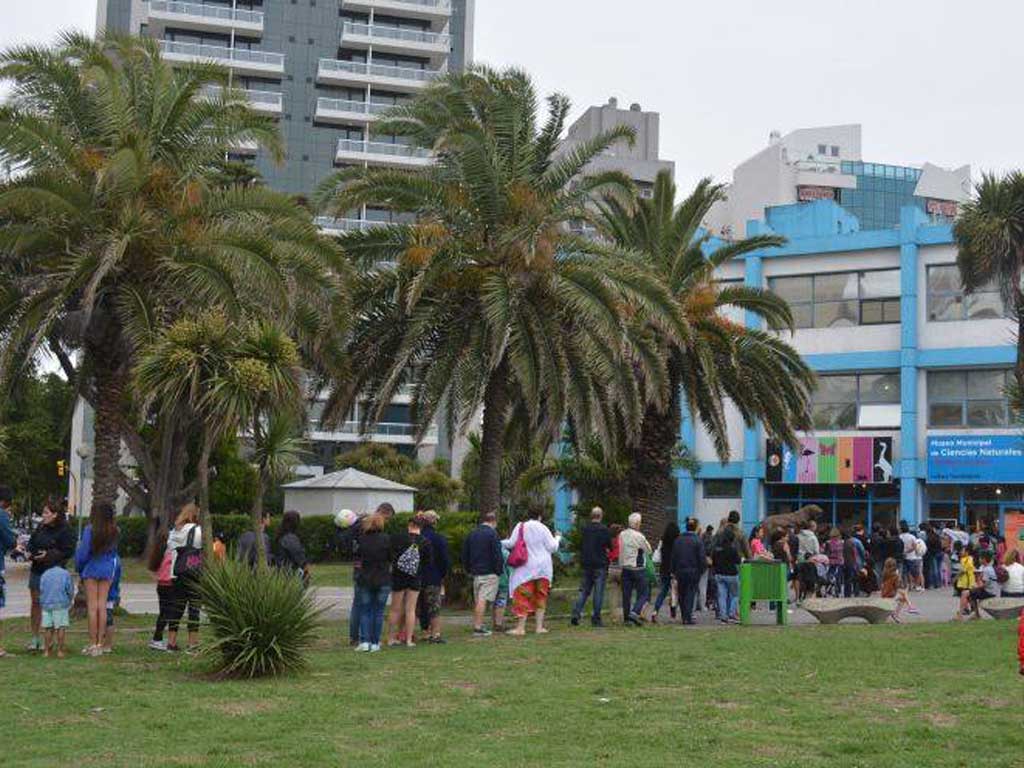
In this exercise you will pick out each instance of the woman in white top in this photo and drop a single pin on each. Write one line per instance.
(530, 583)
(1014, 584)
(185, 534)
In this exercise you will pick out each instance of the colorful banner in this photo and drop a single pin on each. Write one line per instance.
(831, 461)
(976, 459)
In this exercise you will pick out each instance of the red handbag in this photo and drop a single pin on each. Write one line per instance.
(518, 555)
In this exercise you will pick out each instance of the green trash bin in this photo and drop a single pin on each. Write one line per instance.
(764, 580)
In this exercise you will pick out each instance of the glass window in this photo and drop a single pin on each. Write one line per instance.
(879, 388)
(947, 301)
(881, 283)
(834, 287)
(822, 149)
(850, 401)
(792, 289)
(835, 151)
(959, 399)
(835, 314)
(723, 488)
(841, 299)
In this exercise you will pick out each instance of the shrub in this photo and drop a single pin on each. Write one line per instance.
(262, 621)
(132, 533)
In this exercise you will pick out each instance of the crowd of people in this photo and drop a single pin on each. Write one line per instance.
(689, 569)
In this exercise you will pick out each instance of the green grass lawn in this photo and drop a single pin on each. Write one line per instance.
(925, 695)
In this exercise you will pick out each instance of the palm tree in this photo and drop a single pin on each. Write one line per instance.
(118, 223)
(488, 299)
(989, 233)
(714, 359)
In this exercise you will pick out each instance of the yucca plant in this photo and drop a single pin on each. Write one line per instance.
(262, 621)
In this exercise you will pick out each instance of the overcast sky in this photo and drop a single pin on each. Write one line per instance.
(930, 80)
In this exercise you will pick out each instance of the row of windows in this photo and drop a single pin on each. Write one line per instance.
(844, 299)
(841, 299)
(956, 400)
(899, 172)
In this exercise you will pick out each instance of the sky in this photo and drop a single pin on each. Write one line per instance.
(929, 80)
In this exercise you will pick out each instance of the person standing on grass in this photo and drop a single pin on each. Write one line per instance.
(7, 542)
(726, 560)
(595, 544)
(1014, 584)
(95, 560)
(688, 561)
(374, 580)
(348, 541)
(247, 551)
(113, 602)
(52, 543)
(160, 566)
(664, 558)
(186, 534)
(530, 582)
(432, 594)
(411, 556)
(55, 595)
(483, 562)
(615, 574)
(289, 554)
(633, 551)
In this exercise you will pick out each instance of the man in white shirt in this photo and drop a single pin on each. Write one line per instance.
(912, 556)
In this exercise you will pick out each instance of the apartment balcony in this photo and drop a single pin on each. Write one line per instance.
(204, 18)
(381, 432)
(381, 153)
(332, 226)
(395, 40)
(240, 60)
(248, 148)
(432, 10)
(402, 79)
(346, 112)
(266, 102)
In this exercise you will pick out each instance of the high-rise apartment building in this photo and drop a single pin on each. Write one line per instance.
(825, 163)
(325, 68)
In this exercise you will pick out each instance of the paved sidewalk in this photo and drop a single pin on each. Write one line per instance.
(935, 605)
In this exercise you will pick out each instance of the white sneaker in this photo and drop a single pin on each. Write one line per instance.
(158, 645)
(362, 648)
(374, 648)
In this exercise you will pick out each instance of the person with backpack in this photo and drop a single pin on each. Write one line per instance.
(634, 549)
(160, 557)
(185, 545)
(531, 545)
(289, 554)
(411, 556)
(95, 560)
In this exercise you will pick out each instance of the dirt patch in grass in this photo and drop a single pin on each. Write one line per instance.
(942, 719)
(464, 686)
(244, 708)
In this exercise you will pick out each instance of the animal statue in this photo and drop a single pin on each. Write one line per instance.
(773, 523)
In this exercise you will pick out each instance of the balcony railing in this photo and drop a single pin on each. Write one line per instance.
(395, 33)
(386, 429)
(327, 66)
(263, 101)
(358, 146)
(220, 53)
(213, 12)
(354, 107)
(329, 224)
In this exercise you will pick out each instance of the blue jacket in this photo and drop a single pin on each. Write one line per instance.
(55, 589)
(688, 553)
(7, 537)
(95, 566)
(481, 552)
(437, 569)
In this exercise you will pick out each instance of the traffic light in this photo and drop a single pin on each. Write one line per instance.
(60, 467)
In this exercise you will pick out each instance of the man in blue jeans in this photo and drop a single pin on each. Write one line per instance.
(596, 543)
(688, 563)
(347, 543)
(726, 561)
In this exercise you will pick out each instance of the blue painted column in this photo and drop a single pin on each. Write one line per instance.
(906, 467)
(685, 483)
(752, 436)
(563, 500)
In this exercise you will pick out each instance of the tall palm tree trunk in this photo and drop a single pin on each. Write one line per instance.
(649, 479)
(203, 473)
(492, 442)
(111, 380)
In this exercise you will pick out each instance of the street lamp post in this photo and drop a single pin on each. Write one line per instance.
(83, 455)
